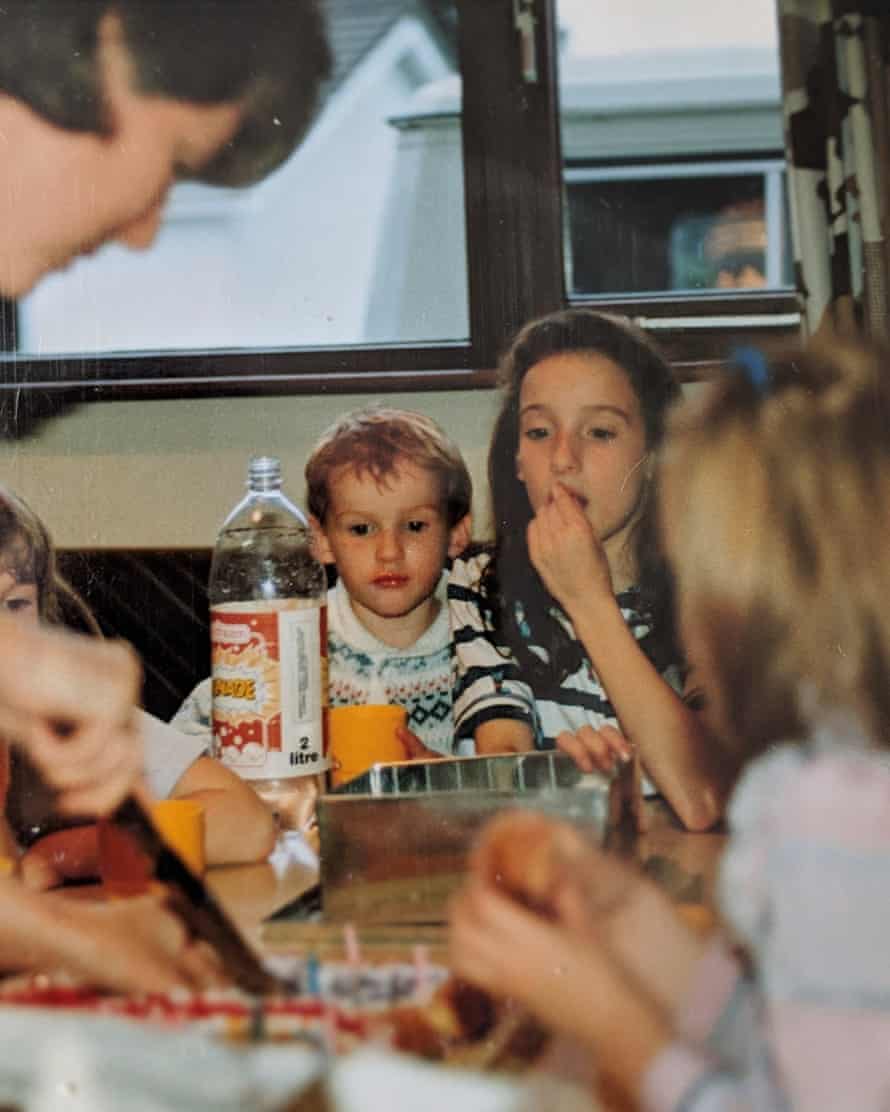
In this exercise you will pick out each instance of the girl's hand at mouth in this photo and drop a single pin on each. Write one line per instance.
(566, 552)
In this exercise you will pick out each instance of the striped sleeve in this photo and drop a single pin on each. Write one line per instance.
(487, 684)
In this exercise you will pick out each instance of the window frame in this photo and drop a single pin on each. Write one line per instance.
(514, 228)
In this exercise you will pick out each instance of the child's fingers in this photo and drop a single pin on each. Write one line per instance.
(525, 855)
(414, 747)
(593, 750)
(615, 740)
(96, 788)
(565, 507)
(570, 743)
(38, 873)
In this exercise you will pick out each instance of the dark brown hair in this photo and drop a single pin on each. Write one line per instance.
(271, 55)
(510, 578)
(373, 441)
(27, 553)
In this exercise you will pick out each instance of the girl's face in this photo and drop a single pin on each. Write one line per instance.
(580, 425)
(18, 600)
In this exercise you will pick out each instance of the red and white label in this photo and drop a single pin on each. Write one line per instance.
(269, 686)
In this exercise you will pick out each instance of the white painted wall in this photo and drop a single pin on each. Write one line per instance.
(165, 473)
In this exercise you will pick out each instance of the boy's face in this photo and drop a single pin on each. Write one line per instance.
(389, 542)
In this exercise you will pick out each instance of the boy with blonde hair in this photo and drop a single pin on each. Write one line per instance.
(389, 498)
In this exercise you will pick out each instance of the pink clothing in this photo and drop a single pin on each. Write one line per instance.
(805, 891)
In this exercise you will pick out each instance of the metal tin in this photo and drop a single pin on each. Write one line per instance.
(396, 853)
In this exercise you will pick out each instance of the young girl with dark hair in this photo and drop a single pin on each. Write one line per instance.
(563, 627)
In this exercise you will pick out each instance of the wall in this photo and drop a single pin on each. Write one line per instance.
(165, 473)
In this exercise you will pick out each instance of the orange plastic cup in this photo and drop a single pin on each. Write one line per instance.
(180, 822)
(359, 737)
(127, 871)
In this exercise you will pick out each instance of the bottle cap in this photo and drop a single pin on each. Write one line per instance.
(264, 473)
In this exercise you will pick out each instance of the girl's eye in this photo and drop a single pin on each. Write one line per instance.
(536, 432)
(359, 529)
(417, 526)
(16, 604)
(598, 433)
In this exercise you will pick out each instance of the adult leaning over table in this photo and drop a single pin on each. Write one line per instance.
(103, 105)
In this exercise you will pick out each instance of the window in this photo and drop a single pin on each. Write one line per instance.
(673, 165)
(432, 210)
(303, 258)
(632, 230)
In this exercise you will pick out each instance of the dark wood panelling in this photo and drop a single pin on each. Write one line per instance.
(156, 600)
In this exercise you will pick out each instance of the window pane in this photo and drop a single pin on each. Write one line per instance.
(338, 247)
(672, 147)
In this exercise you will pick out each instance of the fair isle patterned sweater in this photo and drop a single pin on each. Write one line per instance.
(418, 678)
(362, 670)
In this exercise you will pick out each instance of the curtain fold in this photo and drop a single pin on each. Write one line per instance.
(836, 99)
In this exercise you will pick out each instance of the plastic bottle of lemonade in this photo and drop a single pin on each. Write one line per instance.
(269, 643)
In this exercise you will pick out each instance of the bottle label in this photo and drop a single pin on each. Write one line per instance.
(269, 686)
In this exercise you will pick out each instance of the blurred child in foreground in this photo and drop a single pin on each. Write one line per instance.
(238, 827)
(776, 513)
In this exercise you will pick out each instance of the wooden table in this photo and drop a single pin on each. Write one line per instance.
(251, 893)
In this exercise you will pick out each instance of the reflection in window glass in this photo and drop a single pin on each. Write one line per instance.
(338, 247)
(672, 147)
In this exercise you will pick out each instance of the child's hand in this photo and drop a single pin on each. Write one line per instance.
(136, 945)
(529, 857)
(551, 868)
(566, 552)
(70, 702)
(594, 895)
(71, 854)
(415, 750)
(510, 951)
(601, 750)
(606, 750)
(579, 989)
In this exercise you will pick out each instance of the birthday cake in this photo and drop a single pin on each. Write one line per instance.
(335, 1005)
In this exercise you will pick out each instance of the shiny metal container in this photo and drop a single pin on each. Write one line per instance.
(394, 850)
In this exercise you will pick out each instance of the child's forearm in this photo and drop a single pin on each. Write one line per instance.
(503, 735)
(676, 750)
(238, 826)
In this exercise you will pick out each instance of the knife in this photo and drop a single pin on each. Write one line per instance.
(194, 904)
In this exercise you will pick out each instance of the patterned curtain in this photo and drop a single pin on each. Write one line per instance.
(836, 78)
